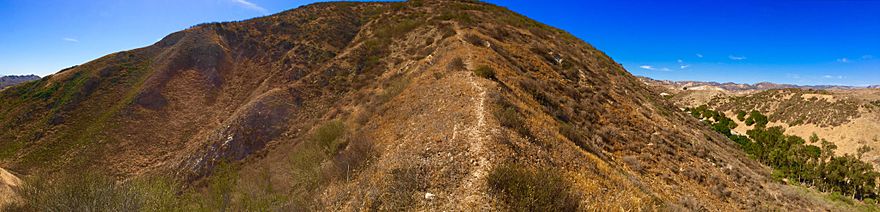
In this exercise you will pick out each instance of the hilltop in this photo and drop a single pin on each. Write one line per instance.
(422, 105)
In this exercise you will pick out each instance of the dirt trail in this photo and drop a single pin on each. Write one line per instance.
(478, 137)
(477, 148)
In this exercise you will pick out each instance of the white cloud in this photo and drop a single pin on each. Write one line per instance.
(732, 57)
(843, 60)
(250, 5)
(665, 69)
(699, 55)
(72, 40)
(681, 64)
(647, 67)
(833, 77)
(867, 57)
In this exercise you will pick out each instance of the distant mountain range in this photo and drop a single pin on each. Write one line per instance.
(737, 87)
(6, 81)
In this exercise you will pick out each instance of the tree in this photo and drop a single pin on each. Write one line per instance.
(814, 138)
(741, 115)
(862, 150)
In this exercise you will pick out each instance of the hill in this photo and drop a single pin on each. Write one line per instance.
(422, 105)
(6, 81)
(676, 86)
(846, 116)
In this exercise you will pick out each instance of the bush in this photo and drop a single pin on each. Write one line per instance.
(328, 136)
(93, 192)
(357, 153)
(508, 117)
(473, 40)
(741, 115)
(485, 72)
(525, 189)
(456, 64)
(394, 88)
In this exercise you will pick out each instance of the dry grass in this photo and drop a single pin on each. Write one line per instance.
(525, 189)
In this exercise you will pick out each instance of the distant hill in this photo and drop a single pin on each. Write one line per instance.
(845, 115)
(737, 87)
(6, 81)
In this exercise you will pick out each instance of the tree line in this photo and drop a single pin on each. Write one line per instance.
(809, 162)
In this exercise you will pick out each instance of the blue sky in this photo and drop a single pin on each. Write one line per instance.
(785, 41)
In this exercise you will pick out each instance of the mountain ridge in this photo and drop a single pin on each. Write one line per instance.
(739, 87)
(10, 80)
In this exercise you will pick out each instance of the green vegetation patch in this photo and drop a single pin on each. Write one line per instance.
(794, 159)
(485, 72)
(527, 189)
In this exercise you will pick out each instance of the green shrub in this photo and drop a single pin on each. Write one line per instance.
(221, 186)
(328, 136)
(485, 72)
(741, 115)
(525, 189)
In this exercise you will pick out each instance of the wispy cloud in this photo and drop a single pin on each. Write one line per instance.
(699, 55)
(682, 65)
(665, 69)
(867, 57)
(250, 5)
(647, 67)
(843, 60)
(833, 77)
(72, 40)
(732, 57)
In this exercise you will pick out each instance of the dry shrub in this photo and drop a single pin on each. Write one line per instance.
(634, 163)
(473, 39)
(394, 88)
(687, 203)
(508, 117)
(403, 186)
(88, 191)
(456, 65)
(525, 189)
(356, 154)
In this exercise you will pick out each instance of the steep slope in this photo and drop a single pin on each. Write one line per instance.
(417, 105)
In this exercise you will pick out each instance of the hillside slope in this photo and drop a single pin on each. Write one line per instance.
(420, 105)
